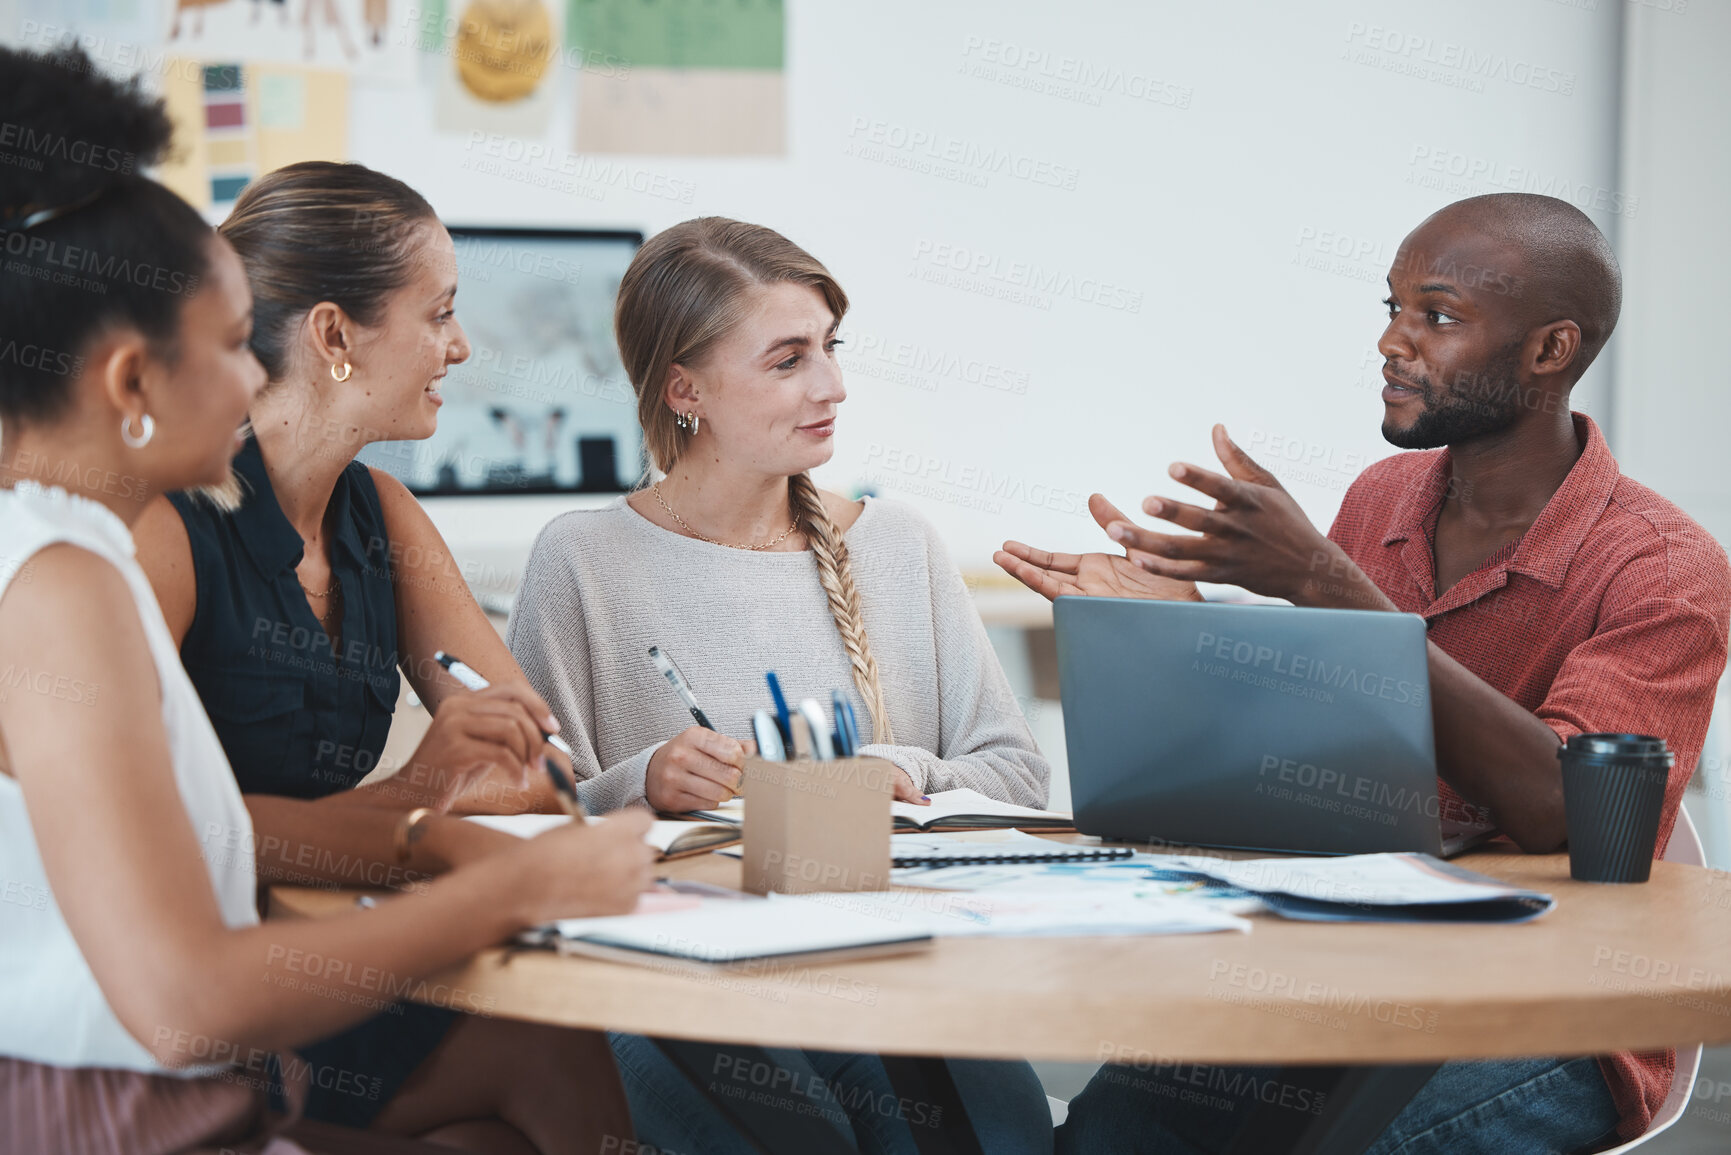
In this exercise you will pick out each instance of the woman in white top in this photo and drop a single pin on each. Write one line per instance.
(141, 1001)
(736, 563)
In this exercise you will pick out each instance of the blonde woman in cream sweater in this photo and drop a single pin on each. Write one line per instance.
(736, 563)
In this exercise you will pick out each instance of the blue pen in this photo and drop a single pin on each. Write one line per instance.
(846, 728)
(783, 719)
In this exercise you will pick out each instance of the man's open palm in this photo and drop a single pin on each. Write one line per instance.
(1100, 575)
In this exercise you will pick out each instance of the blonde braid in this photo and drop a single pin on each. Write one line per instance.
(835, 574)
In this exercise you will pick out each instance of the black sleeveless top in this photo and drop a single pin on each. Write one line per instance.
(296, 716)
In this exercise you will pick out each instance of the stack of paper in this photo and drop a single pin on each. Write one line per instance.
(1373, 887)
(1139, 876)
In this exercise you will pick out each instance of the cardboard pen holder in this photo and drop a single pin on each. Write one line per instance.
(813, 826)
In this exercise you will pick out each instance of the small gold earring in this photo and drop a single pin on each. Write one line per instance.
(347, 370)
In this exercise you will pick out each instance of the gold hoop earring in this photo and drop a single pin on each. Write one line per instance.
(347, 371)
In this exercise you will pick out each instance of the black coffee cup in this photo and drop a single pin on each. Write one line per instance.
(1613, 793)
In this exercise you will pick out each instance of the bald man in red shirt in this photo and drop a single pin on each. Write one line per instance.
(1560, 597)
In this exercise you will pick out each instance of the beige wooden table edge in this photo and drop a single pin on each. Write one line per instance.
(1033, 998)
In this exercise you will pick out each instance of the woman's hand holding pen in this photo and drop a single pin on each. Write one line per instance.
(492, 733)
(580, 870)
(696, 770)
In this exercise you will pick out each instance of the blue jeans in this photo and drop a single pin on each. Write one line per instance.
(1512, 1106)
(848, 1095)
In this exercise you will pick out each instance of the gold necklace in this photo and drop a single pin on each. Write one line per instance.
(336, 587)
(307, 543)
(785, 534)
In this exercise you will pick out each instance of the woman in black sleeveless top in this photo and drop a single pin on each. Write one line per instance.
(299, 715)
(299, 591)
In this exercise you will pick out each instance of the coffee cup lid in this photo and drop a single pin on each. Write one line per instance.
(1615, 745)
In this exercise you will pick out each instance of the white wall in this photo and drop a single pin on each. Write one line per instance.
(1673, 401)
(1213, 153)
(1673, 390)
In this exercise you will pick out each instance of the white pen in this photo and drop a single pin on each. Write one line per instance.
(679, 684)
(769, 745)
(822, 749)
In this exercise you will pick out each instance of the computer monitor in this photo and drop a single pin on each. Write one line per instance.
(543, 394)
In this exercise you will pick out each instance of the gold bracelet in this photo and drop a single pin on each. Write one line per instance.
(408, 832)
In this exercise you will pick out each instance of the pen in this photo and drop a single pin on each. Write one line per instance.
(821, 748)
(470, 679)
(783, 719)
(769, 745)
(846, 728)
(677, 681)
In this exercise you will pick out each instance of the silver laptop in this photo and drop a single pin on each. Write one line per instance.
(1251, 727)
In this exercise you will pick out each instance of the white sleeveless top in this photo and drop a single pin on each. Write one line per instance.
(51, 1010)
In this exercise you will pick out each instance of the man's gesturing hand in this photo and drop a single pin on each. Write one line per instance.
(1104, 575)
(1256, 536)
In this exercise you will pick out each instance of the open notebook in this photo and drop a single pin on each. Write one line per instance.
(962, 809)
(672, 839)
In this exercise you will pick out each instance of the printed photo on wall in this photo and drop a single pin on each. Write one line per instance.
(374, 38)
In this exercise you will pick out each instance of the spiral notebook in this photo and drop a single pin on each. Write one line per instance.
(972, 847)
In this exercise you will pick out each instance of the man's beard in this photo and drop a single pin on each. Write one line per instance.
(1488, 402)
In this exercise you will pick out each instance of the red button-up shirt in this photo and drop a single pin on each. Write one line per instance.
(1609, 614)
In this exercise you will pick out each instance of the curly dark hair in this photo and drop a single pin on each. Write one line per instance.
(87, 242)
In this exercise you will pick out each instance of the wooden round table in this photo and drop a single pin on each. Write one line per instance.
(1610, 968)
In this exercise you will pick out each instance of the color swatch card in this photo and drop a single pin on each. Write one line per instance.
(234, 121)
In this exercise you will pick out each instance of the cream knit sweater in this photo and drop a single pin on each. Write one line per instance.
(604, 585)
